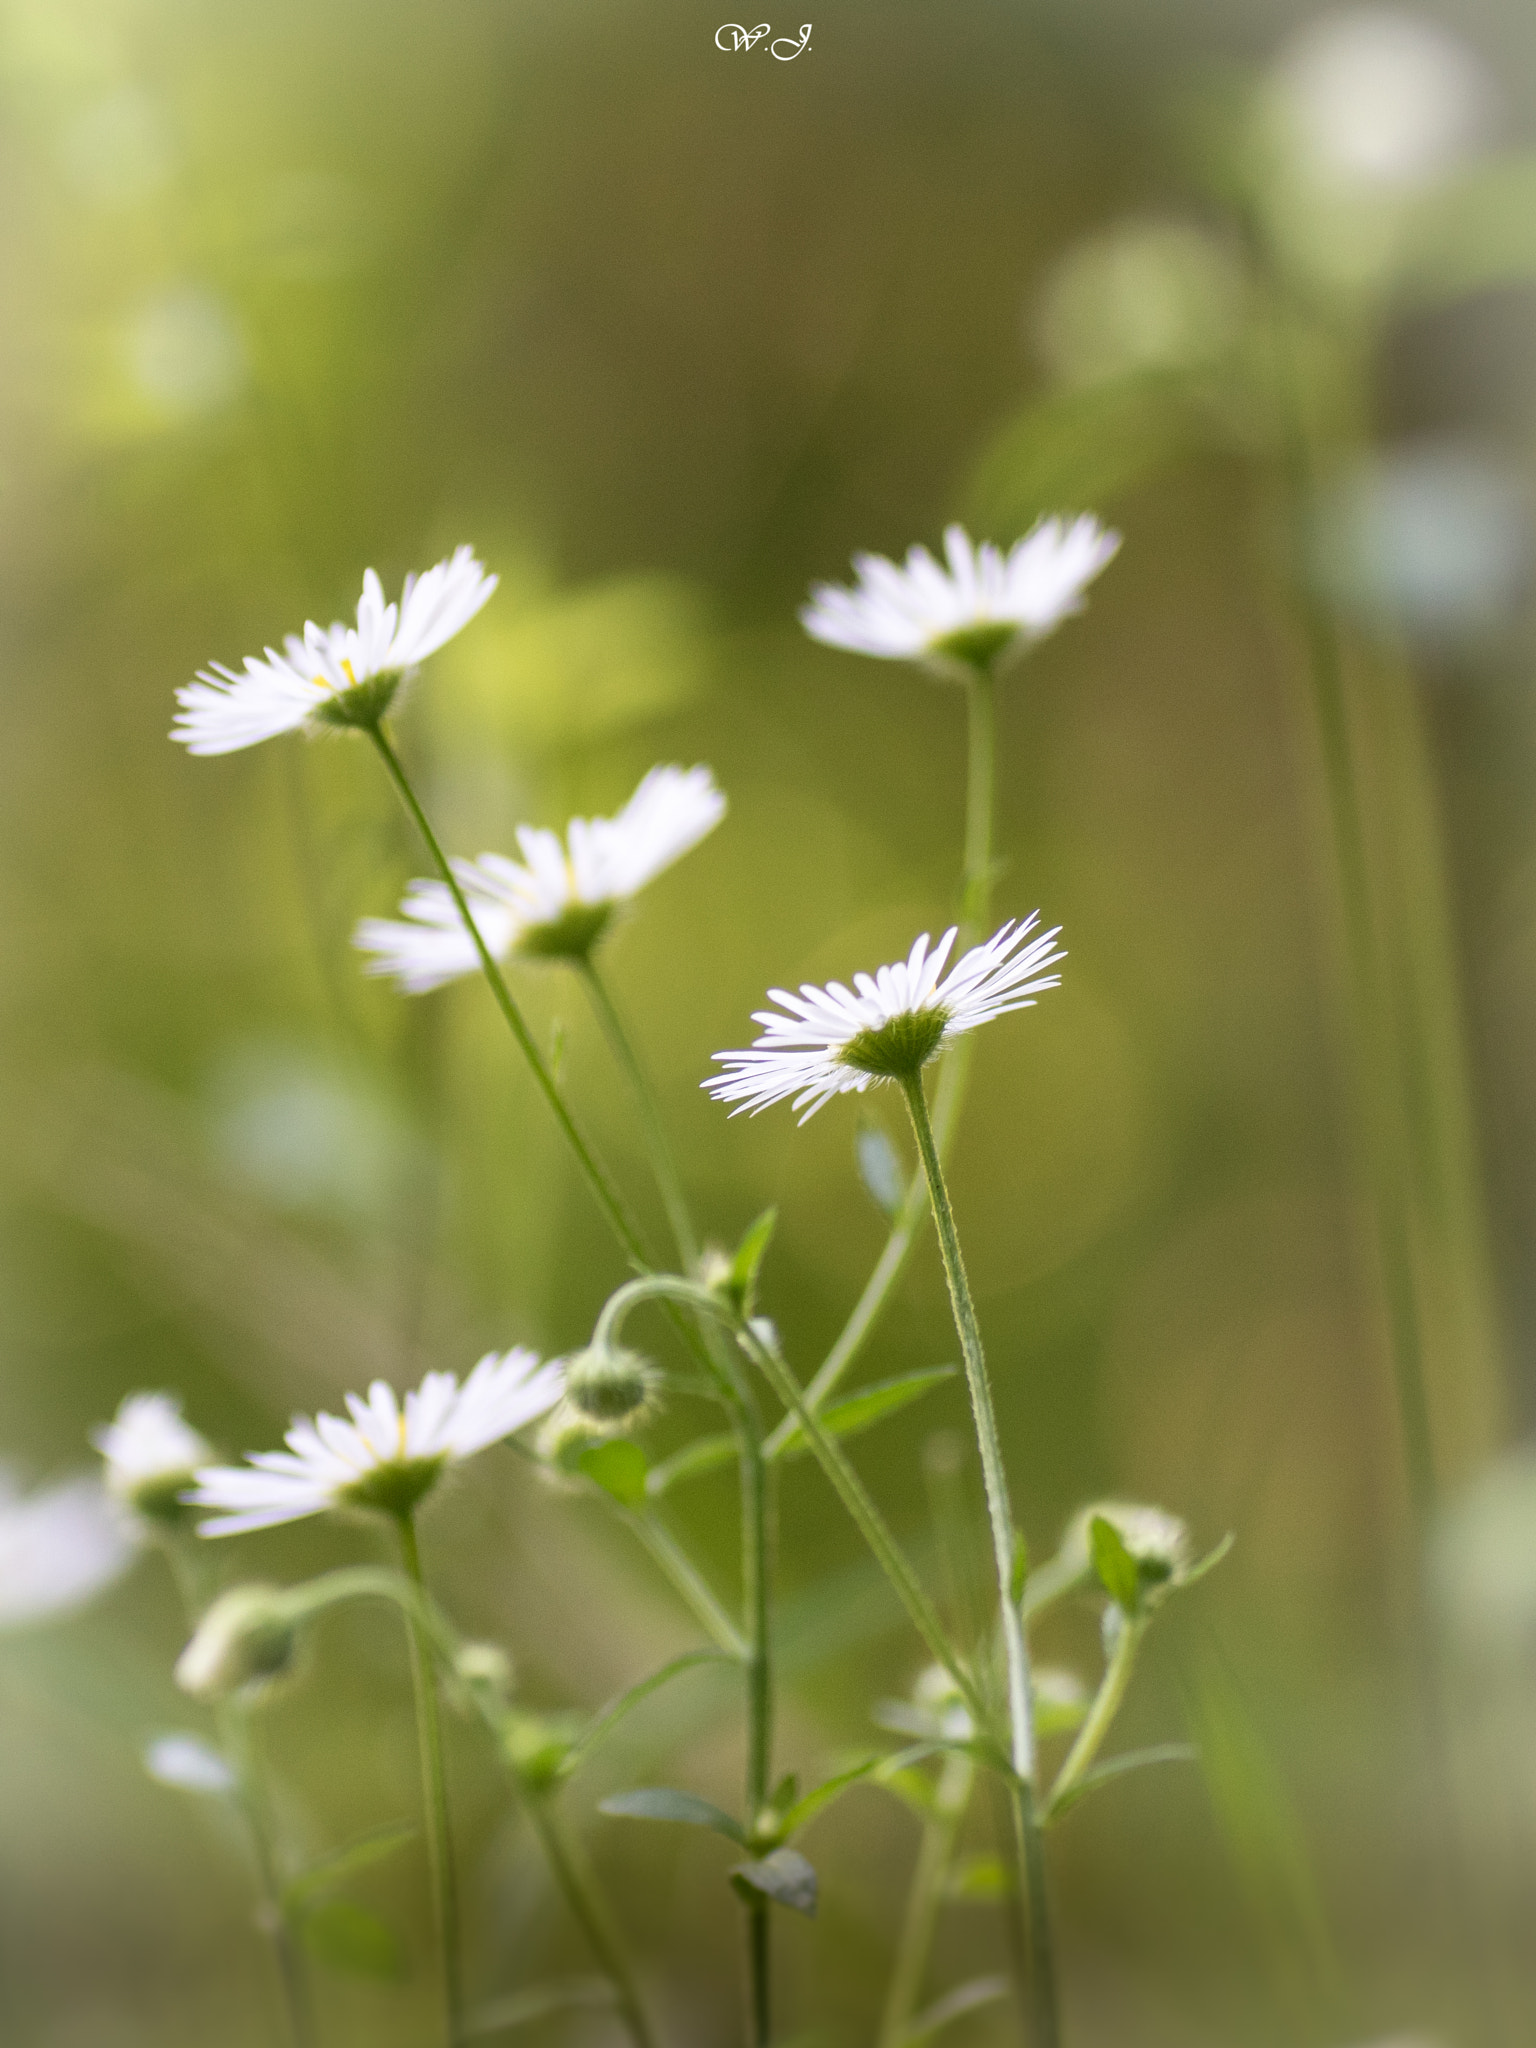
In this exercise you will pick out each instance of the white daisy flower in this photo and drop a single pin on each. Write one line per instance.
(835, 1041)
(335, 675)
(389, 1456)
(559, 900)
(151, 1453)
(58, 1547)
(984, 604)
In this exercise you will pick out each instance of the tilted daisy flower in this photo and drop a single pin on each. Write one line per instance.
(59, 1547)
(151, 1454)
(559, 900)
(333, 676)
(390, 1454)
(836, 1041)
(983, 605)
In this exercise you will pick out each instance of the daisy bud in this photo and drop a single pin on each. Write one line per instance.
(611, 1388)
(245, 1639)
(485, 1672)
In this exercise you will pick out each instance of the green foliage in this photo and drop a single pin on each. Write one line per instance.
(619, 1468)
(979, 1879)
(333, 1870)
(1119, 1767)
(748, 1260)
(660, 1802)
(1115, 1567)
(347, 1938)
(784, 1876)
(607, 1719)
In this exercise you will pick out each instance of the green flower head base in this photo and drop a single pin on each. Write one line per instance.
(150, 1454)
(389, 1456)
(557, 902)
(836, 1041)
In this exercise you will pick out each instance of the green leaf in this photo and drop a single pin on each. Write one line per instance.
(1114, 1565)
(979, 1878)
(333, 1870)
(783, 1875)
(805, 1810)
(661, 1802)
(705, 1454)
(870, 1405)
(608, 1717)
(1117, 1767)
(880, 1169)
(346, 1937)
(1074, 448)
(954, 2005)
(538, 2002)
(749, 1257)
(619, 1468)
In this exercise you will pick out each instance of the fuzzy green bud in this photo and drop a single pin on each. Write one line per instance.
(245, 1639)
(612, 1388)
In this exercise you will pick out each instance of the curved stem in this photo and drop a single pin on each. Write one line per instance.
(598, 1179)
(434, 1787)
(1107, 1702)
(935, 1852)
(669, 1183)
(588, 1907)
(1041, 1987)
(954, 1074)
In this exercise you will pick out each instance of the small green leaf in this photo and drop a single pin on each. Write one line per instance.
(978, 1878)
(749, 1257)
(870, 1405)
(705, 1454)
(1115, 1566)
(1118, 1767)
(954, 2005)
(785, 1793)
(333, 1870)
(806, 1809)
(348, 1938)
(661, 1802)
(880, 1169)
(608, 1717)
(783, 1875)
(619, 1468)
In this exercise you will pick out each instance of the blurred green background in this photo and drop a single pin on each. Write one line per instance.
(667, 332)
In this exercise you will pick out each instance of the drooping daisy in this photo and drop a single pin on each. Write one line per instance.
(984, 605)
(333, 676)
(836, 1041)
(151, 1454)
(559, 900)
(391, 1453)
(59, 1547)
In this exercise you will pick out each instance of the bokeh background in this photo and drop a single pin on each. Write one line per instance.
(667, 332)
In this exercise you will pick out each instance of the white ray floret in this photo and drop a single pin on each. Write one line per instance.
(979, 606)
(389, 1455)
(59, 1547)
(150, 1449)
(333, 675)
(559, 899)
(836, 1041)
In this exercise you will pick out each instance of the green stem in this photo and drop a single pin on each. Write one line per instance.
(756, 1574)
(954, 1074)
(1004, 1545)
(434, 1788)
(669, 1181)
(935, 1853)
(1107, 1702)
(606, 1194)
(581, 1894)
(679, 1569)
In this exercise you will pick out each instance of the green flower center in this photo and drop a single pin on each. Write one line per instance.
(978, 646)
(396, 1488)
(897, 1050)
(570, 936)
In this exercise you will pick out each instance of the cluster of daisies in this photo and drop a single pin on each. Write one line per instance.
(974, 611)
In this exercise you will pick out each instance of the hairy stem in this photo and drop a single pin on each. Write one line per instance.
(434, 1791)
(590, 1910)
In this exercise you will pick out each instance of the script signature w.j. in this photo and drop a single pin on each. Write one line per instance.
(732, 36)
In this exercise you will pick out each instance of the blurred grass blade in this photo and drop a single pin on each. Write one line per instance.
(608, 1718)
(870, 1405)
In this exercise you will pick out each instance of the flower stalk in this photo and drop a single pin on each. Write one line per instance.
(434, 1787)
(941, 1829)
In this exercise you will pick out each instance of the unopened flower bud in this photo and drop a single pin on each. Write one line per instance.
(485, 1672)
(245, 1639)
(611, 1387)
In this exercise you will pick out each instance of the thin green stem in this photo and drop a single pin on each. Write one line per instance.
(1107, 1702)
(941, 1828)
(680, 1571)
(756, 1576)
(669, 1182)
(598, 1179)
(434, 1789)
(588, 1907)
(1041, 1986)
(975, 899)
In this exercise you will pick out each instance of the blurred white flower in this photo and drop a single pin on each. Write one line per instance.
(1379, 98)
(59, 1547)
(389, 1456)
(189, 1764)
(151, 1453)
(336, 675)
(835, 1040)
(555, 904)
(985, 604)
(1142, 297)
